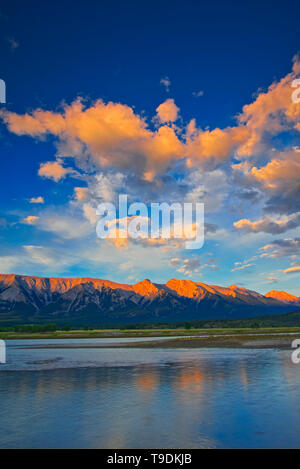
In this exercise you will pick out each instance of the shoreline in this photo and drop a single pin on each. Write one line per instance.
(259, 341)
(149, 333)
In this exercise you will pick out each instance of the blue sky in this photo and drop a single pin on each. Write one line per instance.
(206, 62)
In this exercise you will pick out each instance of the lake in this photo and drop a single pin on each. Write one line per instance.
(148, 398)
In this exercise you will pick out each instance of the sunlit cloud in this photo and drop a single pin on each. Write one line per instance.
(292, 270)
(30, 220)
(53, 170)
(37, 200)
(110, 149)
(242, 267)
(167, 111)
(268, 225)
(287, 247)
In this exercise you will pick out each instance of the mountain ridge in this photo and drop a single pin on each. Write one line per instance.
(89, 300)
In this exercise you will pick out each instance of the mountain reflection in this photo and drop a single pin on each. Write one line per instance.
(161, 398)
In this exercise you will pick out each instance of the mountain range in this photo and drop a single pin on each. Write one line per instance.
(26, 299)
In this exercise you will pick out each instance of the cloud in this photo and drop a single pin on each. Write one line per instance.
(126, 266)
(200, 186)
(213, 146)
(292, 270)
(37, 200)
(242, 267)
(167, 111)
(279, 172)
(174, 261)
(30, 220)
(198, 94)
(270, 113)
(165, 81)
(47, 258)
(40, 254)
(115, 150)
(287, 247)
(90, 213)
(272, 279)
(268, 225)
(189, 266)
(53, 170)
(278, 180)
(106, 186)
(81, 193)
(103, 135)
(64, 225)
(211, 228)
(106, 135)
(113, 134)
(8, 263)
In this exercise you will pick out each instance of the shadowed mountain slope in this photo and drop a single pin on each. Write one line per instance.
(25, 299)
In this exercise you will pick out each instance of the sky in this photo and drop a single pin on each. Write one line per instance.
(162, 101)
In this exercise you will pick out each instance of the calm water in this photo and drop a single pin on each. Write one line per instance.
(148, 398)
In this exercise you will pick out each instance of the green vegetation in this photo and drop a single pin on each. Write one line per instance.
(32, 333)
(289, 322)
(31, 328)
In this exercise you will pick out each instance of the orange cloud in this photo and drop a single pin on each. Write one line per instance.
(217, 143)
(81, 193)
(279, 171)
(292, 270)
(112, 134)
(167, 111)
(268, 225)
(30, 220)
(53, 170)
(272, 111)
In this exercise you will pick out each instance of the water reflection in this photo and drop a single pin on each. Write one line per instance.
(154, 398)
(147, 380)
(190, 379)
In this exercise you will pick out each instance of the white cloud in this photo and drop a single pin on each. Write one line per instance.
(242, 267)
(8, 263)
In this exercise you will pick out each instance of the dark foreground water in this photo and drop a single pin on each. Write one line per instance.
(149, 398)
